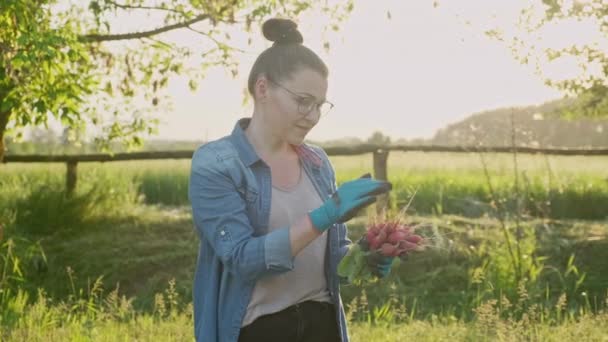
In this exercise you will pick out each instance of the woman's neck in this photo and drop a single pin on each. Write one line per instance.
(266, 144)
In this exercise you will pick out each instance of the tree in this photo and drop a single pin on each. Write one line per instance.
(377, 138)
(552, 36)
(543, 38)
(60, 59)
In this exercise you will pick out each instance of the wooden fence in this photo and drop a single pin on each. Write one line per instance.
(380, 157)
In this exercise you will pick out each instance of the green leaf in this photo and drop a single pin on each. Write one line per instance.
(193, 85)
(40, 106)
(347, 264)
(5, 106)
(352, 266)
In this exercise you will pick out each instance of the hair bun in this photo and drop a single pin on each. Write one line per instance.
(282, 31)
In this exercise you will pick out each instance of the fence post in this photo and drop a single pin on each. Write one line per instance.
(380, 172)
(71, 177)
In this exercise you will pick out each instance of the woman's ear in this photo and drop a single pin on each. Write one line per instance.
(261, 88)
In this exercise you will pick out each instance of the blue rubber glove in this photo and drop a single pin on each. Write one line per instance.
(349, 198)
(380, 265)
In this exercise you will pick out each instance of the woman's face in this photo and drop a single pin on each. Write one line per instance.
(292, 108)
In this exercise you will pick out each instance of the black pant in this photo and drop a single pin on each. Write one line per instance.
(306, 321)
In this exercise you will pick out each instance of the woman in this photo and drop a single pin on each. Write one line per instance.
(268, 214)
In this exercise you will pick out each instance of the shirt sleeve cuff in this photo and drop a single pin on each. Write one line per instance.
(278, 250)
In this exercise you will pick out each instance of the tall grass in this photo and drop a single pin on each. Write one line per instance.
(34, 198)
(90, 316)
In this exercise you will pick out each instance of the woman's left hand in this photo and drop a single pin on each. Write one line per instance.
(380, 265)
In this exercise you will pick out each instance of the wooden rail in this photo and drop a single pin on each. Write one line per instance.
(380, 157)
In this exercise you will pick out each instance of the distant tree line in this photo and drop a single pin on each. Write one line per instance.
(533, 126)
(540, 126)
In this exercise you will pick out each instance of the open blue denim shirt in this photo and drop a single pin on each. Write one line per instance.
(230, 190)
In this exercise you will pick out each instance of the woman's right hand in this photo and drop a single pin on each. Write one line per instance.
(347, 200)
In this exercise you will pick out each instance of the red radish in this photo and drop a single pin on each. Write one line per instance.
(374, 243)
(397, 236)
(370, 235)
(388, 249)
(381, 237)
(406, 245)
(392, 239)
(404, 229)
(413, 238)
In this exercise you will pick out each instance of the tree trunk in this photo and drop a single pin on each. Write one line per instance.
(3, 123)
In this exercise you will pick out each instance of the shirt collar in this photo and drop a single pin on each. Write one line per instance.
(242, 144)
(250, 157)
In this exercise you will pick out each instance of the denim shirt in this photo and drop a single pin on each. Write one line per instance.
(230, 193)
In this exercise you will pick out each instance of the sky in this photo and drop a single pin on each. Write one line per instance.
(406, 77)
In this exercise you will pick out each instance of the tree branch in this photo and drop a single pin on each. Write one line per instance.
(217, 42)
(123, 6)
(143, 34)
(167, 45)
(5, 47)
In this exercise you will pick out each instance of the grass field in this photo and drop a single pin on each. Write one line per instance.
(129, 224)
(553, 186)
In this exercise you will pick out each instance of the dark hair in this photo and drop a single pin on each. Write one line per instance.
(286, 55)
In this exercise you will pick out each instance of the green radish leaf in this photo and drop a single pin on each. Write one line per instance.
(396, 262)
(346, 267)
(354, 265)
(359, 265)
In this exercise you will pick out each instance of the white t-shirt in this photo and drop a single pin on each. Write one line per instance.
(307, 279)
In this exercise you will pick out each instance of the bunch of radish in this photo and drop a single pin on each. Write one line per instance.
(388, 238)
(391, 239)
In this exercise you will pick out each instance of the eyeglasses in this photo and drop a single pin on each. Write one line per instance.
(306, 104)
